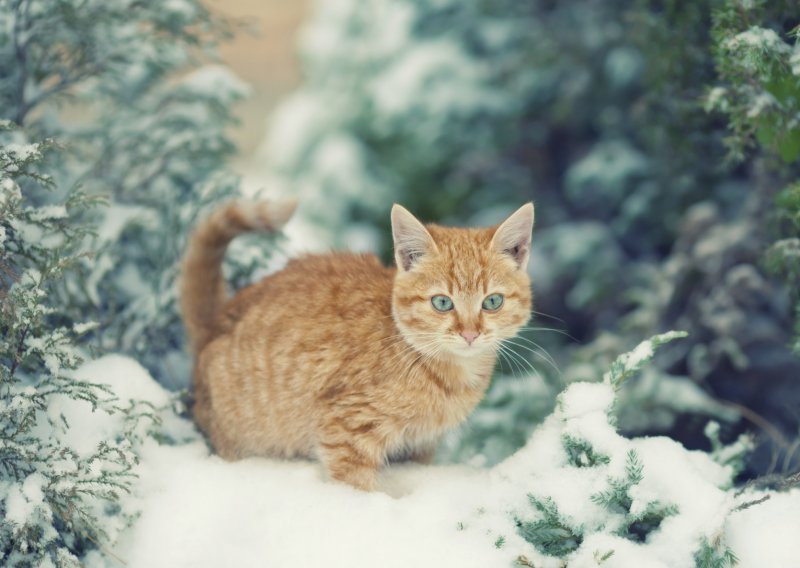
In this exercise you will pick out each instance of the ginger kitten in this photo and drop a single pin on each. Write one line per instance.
(339, 357)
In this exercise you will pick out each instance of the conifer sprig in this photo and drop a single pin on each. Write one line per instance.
(628, 364)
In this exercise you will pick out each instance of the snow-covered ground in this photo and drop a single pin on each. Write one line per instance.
(197, 510)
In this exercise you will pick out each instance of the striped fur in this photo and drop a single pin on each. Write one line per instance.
(340, 358)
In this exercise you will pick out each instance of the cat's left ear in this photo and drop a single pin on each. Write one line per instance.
(411, 239)
(513, 236)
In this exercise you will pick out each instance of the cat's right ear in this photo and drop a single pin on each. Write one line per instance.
(513, 236)
(411, 239)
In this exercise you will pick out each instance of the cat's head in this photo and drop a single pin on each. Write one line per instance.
(461, 291)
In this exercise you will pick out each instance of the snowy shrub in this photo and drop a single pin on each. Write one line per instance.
(55, 501)
(597, 498)
(759, 73)
(150, 135)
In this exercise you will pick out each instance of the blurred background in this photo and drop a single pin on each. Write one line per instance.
(265, 56)
(658, 139)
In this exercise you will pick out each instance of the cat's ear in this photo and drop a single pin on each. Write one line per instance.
(513, 236)
(411, 239)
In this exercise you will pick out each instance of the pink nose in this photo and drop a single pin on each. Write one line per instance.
(470, 336)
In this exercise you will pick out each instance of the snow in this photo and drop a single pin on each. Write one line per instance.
(21, 152)
(185, 10)
(760, 103)
(9, 191)
(292, 127)
(451, 80)
(767, 534)
(216, 81)
(753, 45)
(716, 99)
(642, 352)
(198, 510)
(202, 511)
(338, 26)
(23, 499)
(48, 212)
(129, 381)
(605, 170)
(118, 216)
(758, 38)
(584, 398)
(84, 327)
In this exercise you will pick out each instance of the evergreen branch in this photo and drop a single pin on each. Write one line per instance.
(628, 364)
(550, 533)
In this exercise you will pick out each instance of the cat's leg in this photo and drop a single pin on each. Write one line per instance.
(351, 458)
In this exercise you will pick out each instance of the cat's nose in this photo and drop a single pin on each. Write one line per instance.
(470, 336)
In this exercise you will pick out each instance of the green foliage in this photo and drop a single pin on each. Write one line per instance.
(554, 535)
(53, 499)
(732, 455)
(549, 533)
(758, 64)
(618, 508)
(151, 135)
(601, 557)
(715, 555)
(760, 83)
(580, 453)
(783, 256)
(638, 526)
(615, 498)
(628, 364)
(503, 421)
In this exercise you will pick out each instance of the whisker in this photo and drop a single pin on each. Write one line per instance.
(543, 350)
(561, 331)
(512, 365)
(548, 316)
(406, 350)
(540, 355)
(520, 360)
(504, 358)
(540, 352)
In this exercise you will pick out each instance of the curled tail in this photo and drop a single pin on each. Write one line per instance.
(202, 289)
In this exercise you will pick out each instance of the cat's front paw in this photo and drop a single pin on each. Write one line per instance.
(361, 478)
(347, 464)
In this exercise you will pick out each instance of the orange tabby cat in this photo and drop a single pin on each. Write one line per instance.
(338, 357)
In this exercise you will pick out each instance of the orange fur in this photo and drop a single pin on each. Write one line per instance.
(338, 357)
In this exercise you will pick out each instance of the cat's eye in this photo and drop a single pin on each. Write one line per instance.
(492, 302)
(442, 303)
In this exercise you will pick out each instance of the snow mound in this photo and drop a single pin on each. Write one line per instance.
(766, 534)
(198, 510)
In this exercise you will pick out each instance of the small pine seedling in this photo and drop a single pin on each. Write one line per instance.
(714, 555)
(550, 534)
(580, 453)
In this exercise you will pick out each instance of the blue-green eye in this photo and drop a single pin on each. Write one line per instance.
(442, 303)
(493, 302)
